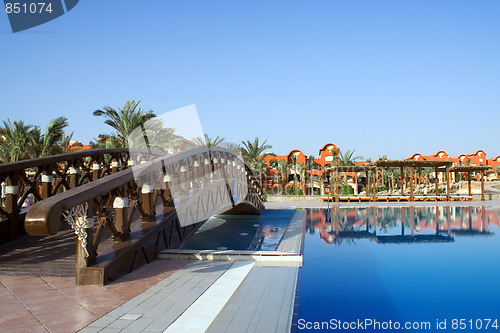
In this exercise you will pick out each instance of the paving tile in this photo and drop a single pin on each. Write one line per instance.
(103, 321)
(110, 330)
(89, 329)
(19, 323)
(119, 323)
(259, 303)
(138, 325)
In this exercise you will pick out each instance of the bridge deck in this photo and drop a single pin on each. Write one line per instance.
(40, 256)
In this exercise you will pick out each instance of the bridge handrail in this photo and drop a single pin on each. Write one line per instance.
(47, 160)
(44, 217)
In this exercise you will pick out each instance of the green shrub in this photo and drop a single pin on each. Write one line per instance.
(290, 191)
(346, 190)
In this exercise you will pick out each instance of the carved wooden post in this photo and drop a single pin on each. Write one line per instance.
(207, 171)
(229, 168)
(96, 168)
(130, 163)
(167, 195)
(147, 202)
(196, 175)
(222, 165)
(85, 255)
(11, 196)
(74, 176)
(218, 165)
(184, 181)
(47, 180)
(115, 166)
(120, 205)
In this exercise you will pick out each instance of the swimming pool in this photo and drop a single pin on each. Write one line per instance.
(242, 232)
(366, 271)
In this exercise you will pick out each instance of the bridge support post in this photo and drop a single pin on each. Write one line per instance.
(96, 168)
(11, 196)
(74, 176)
(167, 195)
(115, 166)
(184, 185)
(208, 171)
(196, 175)
(85, 254)
(47, 180)
(120, 206)
(147, 202)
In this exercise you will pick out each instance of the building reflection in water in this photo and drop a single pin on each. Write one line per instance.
(400, 224)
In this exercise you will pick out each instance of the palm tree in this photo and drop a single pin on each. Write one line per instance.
(15, 139)
(235, 148)
(252, 154)
(125, 120)
(68, 145)
(282, 168)
(346, 159)
(49, 143)
(253, 150)
(311, 174)
(207, 141)
(301, 169)
(106, 141)
(297, 168)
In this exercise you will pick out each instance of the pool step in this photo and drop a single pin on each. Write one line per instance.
(265, 258)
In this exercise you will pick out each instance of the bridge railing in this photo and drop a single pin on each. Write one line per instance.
(168, 197)
(30, 181)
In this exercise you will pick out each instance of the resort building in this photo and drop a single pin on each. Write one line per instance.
(303, 174)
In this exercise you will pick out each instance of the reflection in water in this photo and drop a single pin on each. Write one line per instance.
(400, 224)
(408, 264)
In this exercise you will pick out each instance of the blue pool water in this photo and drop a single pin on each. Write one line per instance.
(440, 264)
(242, 232)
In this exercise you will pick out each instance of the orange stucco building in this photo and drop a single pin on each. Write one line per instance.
(308, 173)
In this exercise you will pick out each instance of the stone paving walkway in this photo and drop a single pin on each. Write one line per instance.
(161, 294)
(56, 304)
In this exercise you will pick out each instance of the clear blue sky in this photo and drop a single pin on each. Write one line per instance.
(382, 77)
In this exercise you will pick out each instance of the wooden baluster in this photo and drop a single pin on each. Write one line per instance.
(82, 262)
(147, 202)
(167, 195)
(96, 168)
(115, 166)
(196, 182)
(120, 206)
(11, 196)
(207, 171)
(216, 171)
(74, 176)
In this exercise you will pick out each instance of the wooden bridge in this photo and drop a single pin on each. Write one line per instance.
(124, 211)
